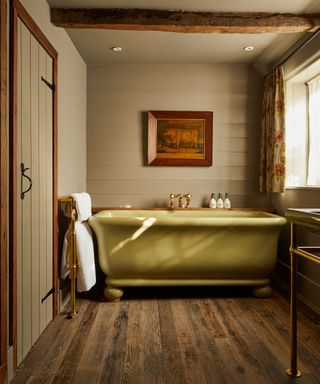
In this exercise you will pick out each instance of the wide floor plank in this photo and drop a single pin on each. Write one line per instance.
(174, 335)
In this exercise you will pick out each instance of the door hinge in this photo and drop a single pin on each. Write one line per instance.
(47, 295)
(51, 86)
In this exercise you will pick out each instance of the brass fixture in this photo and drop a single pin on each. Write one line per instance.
(308, 219)
(180, 198)
(171, 196)
(73, 261)
(188, 198)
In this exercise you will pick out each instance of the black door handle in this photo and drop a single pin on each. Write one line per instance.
(23, 170)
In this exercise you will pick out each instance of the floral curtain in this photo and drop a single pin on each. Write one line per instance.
(272, 151)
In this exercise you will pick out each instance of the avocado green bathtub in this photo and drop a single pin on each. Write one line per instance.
(186, 247)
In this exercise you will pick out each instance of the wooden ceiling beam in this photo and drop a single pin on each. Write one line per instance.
(184, 21)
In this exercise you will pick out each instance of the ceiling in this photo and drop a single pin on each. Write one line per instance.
(151, 47)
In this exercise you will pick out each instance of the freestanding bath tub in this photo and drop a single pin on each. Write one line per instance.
(186, 247)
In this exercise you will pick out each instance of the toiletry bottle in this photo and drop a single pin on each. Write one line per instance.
(227, 202)
(219, 201)
(212, 202)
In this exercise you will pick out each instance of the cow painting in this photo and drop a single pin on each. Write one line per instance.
(181, 138)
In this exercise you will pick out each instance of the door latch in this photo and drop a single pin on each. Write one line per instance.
(23, 170)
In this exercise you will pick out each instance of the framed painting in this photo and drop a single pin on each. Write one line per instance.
(180, 138)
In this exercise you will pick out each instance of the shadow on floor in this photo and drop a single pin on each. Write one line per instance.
(150, 293)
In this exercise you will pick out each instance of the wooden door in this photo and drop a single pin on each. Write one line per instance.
(33, 203)
(34, 193)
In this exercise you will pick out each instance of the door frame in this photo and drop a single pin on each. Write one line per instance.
(3, 192)
(17, 11)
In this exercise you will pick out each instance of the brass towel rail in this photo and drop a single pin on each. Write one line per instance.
(303, 218)
(73, 259)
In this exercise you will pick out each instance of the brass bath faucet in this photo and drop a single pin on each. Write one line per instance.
(180, 198)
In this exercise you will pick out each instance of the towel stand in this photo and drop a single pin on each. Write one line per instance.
(73, 259)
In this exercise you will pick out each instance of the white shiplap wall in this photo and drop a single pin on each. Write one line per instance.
(118, 100)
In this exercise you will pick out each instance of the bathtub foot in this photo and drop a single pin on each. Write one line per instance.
(262, 291)
(113, 294)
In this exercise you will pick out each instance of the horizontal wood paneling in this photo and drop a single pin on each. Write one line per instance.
(137, 100)
(116, 172)
(134, 158)
(117, 129)
(107, 113)
(136, 143)
(118, 100)
(162, 200)
(148, 76)
(165, 186)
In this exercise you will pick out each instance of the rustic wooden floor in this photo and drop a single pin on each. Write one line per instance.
(174, 336)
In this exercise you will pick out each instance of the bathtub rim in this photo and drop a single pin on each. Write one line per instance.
(129, 208)
(186, 217)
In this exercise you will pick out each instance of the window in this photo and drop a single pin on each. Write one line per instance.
(314, 131)
(303, 128)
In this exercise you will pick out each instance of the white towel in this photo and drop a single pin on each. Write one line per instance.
(83, 205)
(86, 276)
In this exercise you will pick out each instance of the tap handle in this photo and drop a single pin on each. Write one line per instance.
(171, 196)
(180, 197)
(188, 198)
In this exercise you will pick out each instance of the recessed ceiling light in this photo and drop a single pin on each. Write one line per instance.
(116, 49)
(249, 48)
